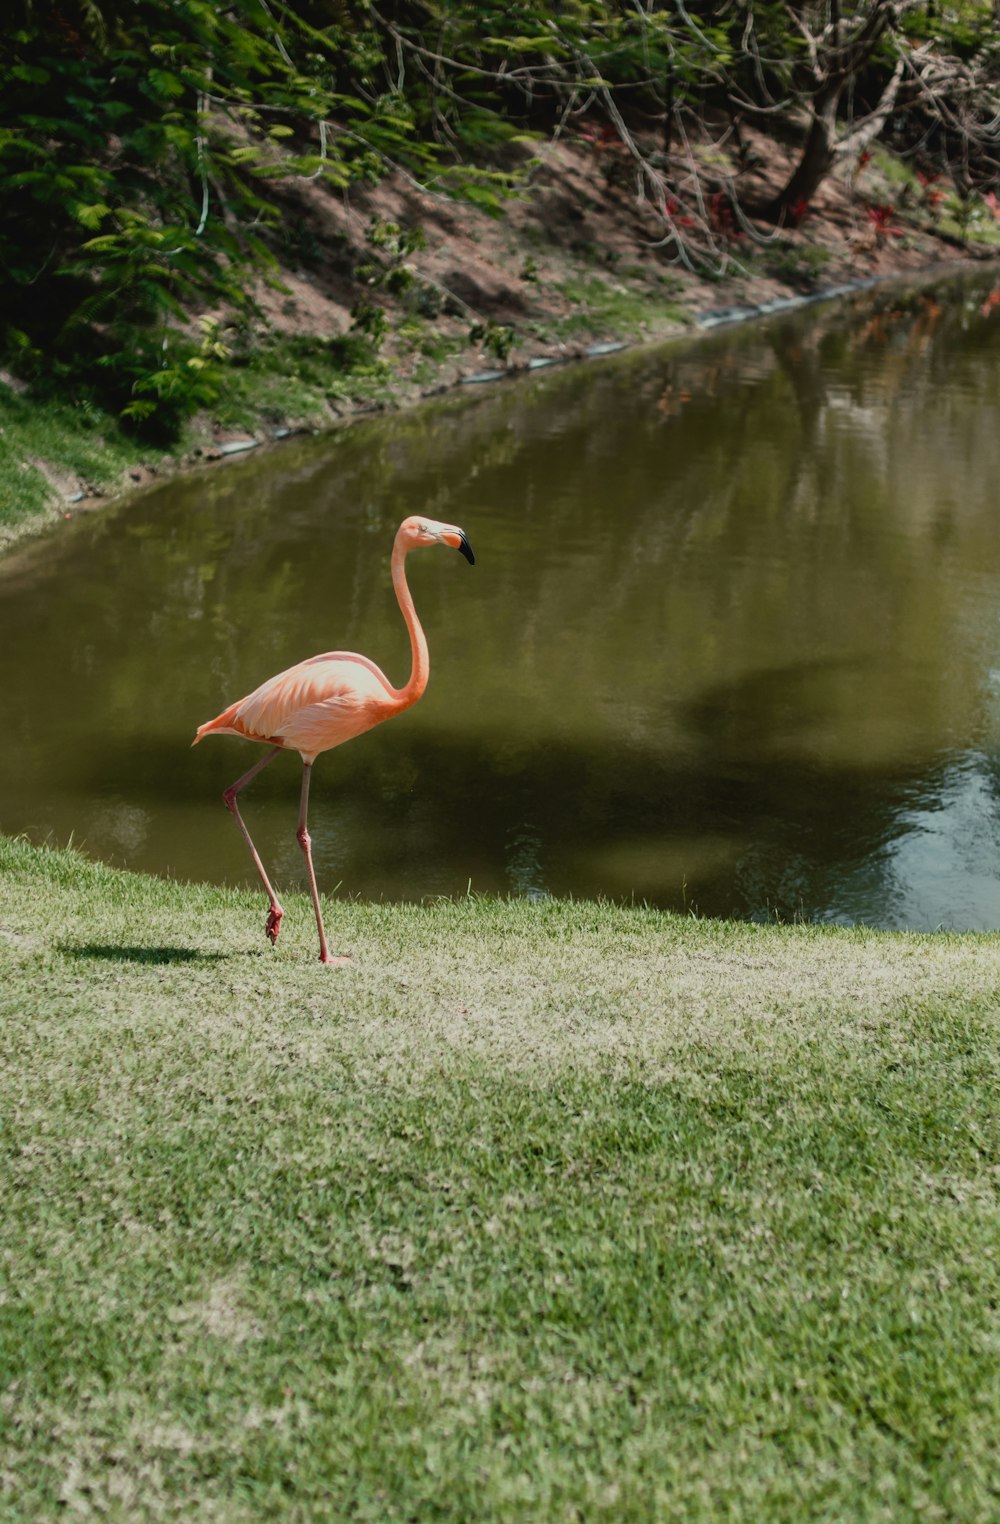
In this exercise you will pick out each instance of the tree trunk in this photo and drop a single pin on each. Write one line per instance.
(823, 146)
(818, 155)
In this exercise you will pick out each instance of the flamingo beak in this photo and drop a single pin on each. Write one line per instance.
(457, 540)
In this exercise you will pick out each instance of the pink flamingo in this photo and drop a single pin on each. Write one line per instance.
(326, 700)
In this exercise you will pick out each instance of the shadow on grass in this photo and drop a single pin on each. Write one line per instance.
(118, 954)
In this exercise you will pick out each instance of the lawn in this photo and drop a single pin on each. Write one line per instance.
(537, 1211)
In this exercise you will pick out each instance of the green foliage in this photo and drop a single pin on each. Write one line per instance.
(396, 240)
(186, 378)
(110, 168)
(370, 319)
(957, 29)
(136, 145)
(389, 269)
(497, 339)
(142, 143)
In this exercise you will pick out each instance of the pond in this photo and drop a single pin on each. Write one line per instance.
(731, 645)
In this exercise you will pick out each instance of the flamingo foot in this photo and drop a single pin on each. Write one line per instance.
(272, 925)
(332, 962)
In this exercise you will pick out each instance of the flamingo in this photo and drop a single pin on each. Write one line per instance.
(324, 701)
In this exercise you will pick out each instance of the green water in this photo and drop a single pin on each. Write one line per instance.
(731, 643)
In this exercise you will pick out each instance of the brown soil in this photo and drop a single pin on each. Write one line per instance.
(580, 221)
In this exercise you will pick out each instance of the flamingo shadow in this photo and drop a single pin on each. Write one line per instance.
(120, 954)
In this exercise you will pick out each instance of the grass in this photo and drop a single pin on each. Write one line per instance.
(600, 307)
(803, 268)
(895, 180)
(75, 440)
(286, 377)
(537, 1211)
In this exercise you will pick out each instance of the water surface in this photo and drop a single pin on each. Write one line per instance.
(732, 642)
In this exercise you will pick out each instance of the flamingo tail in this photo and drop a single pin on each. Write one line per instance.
(223, 722)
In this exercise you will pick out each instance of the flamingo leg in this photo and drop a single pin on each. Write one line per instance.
(272, 926)
(305, 842)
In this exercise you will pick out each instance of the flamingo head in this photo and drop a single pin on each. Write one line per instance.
(418, 530)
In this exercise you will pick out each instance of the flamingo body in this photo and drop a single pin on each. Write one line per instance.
(310, 708)
(326, 700)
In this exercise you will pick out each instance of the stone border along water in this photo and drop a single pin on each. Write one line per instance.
(716, 317)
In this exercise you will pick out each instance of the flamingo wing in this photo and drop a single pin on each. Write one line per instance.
(315, 705)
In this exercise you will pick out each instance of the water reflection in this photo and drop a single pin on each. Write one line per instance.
(524, 862)
(941, 869)
(730, 643)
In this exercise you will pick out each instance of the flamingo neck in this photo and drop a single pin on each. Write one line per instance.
(421, 668)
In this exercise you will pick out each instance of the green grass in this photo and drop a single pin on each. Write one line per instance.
(428, 351)
(976, 224)
(601, 307)
(895, 180)
(535, 1212)
(74, 439)
(801, 267)
(298, 378)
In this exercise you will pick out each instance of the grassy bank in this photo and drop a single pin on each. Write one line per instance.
(54, 453)
(535, 1212)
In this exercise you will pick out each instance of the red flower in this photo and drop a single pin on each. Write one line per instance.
(882, 219)
(671, 207)
(720, 213)
(601, 138)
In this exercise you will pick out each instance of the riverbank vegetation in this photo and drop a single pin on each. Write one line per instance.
(222, 220)
(538, 1210)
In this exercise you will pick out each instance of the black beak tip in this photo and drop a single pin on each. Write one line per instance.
(466, 550)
